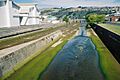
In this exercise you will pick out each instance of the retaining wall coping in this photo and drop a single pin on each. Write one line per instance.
(10, 50)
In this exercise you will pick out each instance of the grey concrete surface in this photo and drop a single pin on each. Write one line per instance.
(12, 56)
(21, 29)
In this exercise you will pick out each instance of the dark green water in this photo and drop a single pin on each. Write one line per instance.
(78, 60)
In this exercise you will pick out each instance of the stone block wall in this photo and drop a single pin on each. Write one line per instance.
(9, 61)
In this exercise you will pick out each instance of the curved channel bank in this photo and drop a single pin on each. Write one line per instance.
(78, 60)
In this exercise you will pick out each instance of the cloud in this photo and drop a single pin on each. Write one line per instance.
(117, 1)
(70, 3)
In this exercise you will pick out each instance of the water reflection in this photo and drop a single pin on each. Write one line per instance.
(78, 60)
(83, 31)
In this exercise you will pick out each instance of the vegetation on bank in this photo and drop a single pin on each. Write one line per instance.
(5, 43)
(36, 65)
(12, 41)
(66, 19)
(33, 69)
(111, 27)
(95, 18)
(109, 66)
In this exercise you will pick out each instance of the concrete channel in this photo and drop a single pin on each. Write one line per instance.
(110, 39)
(78, 60)
(21, 54)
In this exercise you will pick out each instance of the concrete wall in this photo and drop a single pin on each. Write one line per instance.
(35, 13)
(9, 59)
(9, 14)
(110, 39)
(29, 14)
(3, 14)
(14, 11)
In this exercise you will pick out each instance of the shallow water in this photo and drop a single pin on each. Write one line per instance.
(82, 31)
(78, 60)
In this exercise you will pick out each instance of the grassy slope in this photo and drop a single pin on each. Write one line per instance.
(109, 66)
(5, 43)
(32, 70)
(113, 28)
(24, 38)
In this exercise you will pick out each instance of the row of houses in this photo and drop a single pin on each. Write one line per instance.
(115, 17)
(13, 14)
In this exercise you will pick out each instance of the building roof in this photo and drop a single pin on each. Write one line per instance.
(117, 14)
(15, 4)
(26, 7)
(27, 4)
(2, 0)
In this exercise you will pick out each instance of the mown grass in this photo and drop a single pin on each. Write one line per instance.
(24, 38)
(9, 42)
(33, 69)
(113, 28)
(110, 67)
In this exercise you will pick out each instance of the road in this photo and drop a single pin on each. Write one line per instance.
(78, 60)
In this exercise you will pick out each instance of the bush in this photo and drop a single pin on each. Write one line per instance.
(66, 19)
(95, 18)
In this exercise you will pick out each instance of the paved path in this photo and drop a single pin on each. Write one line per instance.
(9, 50)
(13, 31)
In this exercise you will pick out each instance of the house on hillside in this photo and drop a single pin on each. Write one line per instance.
(29, 14)
(50, 19)
(9, 13)
(113, 17)
(83, 22)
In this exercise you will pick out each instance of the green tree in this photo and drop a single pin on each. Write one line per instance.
(91, 18)
(100, 18)
(95, 18)
(66, 19)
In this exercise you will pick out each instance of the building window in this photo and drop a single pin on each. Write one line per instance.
(31, 9)
(15, 6)
(2, 3)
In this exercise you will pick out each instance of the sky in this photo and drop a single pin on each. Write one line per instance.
(72, 3)
(22, 1)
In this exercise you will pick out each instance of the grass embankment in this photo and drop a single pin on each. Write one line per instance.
(5, 43)
(109, 66)
(111, 27)
(34, 68)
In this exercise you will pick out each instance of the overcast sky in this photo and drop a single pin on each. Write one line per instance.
(72, 3)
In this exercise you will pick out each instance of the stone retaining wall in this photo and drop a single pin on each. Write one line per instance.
(13, 31)
(110, 39)
(10, 59)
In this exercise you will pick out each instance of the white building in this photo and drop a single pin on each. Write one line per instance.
(9, 12)
(29, 14)
(50, 19)
(83, 22)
